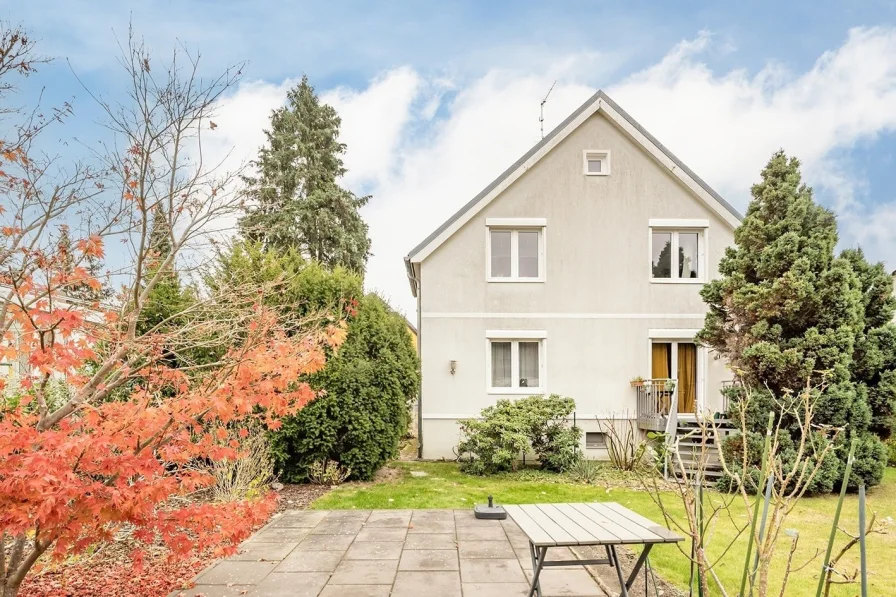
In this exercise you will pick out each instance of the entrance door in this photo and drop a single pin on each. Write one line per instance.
(681, 357)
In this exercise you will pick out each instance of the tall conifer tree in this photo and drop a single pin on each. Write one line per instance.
(786, 310)
(297, 201)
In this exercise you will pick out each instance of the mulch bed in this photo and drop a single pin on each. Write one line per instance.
(111, 572)
(299, 497)
(113, 577)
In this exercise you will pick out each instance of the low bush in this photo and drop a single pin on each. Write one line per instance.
(248, 475)
(584, 470)
(363, 412)
(327, 472)
(868, 464)
(497, 441)
(625, 449)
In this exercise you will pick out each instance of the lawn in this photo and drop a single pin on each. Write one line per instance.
(444, 486)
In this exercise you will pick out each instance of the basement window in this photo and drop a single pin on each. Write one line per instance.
(595, 440)
(596, 162)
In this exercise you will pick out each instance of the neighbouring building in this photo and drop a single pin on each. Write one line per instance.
(576, 271)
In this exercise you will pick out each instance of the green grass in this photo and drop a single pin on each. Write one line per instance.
(446, 487)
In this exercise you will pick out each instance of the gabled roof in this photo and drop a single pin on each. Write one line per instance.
(600, 101)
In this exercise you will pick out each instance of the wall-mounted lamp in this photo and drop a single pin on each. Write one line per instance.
(452, 366)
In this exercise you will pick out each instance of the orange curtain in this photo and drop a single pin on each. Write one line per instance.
(687, 378)
(660, 362)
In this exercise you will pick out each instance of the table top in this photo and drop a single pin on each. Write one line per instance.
(598, 523)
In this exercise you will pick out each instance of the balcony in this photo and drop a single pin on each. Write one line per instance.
(656, 399)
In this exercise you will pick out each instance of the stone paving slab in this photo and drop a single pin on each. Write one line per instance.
(389, 553)
(294, 584)
(374, 550)
(429, 559)
(310, 561)
(427, 584)
(495, 589)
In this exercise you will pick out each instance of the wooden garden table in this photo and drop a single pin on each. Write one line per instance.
(606, 524)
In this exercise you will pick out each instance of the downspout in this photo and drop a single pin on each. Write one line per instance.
(420, 381)
(416, 289)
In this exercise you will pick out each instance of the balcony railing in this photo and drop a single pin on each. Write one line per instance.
(657, 399)
(727, 387)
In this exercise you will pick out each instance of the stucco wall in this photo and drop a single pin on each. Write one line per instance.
(597, 303)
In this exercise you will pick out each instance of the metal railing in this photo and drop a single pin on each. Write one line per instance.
(657, 399)
(725, 391)
(658, 410)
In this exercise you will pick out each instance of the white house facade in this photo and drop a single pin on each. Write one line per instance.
(574, 272)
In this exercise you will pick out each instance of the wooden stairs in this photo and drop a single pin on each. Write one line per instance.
(695, 453)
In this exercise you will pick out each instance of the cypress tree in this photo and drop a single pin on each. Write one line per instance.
(787, 311)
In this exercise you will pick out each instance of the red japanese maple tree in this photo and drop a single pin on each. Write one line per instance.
(126, 435)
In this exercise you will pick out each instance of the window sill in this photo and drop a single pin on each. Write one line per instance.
(516, 280)
(677, 281)
(515, 391)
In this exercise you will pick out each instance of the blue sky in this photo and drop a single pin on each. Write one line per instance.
(437, 98)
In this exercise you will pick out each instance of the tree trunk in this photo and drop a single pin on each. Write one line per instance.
(19, 562)
(9, 590)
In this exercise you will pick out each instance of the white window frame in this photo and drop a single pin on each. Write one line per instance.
(674, 337)
(596, 447)
(515, 226)
(675, 227)
(515, 337)
(596, 154)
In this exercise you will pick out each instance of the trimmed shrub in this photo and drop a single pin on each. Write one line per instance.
(363, 413)
(891, 451)
(509, 429)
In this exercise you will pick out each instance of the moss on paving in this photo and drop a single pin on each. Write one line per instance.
(444, 486)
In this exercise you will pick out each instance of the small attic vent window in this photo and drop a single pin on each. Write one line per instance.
(597, 162)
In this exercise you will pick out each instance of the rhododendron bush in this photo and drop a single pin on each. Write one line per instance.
(130, 431)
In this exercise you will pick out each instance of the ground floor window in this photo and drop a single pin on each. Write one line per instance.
(515, 365)
(595, 440)
(672, 359)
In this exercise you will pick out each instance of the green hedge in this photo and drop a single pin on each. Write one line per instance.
(364, 412)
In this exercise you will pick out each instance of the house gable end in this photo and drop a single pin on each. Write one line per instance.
(598, 102)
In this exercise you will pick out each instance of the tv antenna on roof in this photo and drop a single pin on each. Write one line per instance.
(541, 114)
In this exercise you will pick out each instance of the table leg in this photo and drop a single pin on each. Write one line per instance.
(638, 564)
(618, 568)
(538, 556)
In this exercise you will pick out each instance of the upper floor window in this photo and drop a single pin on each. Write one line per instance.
(515, 250)
(596, 162)
(677, 250)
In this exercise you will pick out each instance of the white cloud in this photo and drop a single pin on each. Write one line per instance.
(373, 121)
(423, 146)
(726, 126)
(241, 120)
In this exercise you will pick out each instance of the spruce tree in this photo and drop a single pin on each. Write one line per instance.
(787, 311)
(297, 201)
(875, 357)
(82, 291)
(168, 297)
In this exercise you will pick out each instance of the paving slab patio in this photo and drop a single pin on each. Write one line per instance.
(383, 553)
